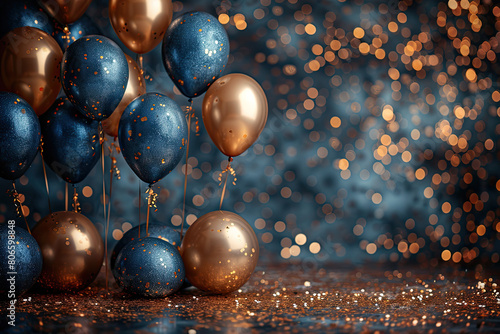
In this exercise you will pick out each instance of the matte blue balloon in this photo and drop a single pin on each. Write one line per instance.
(149, 267)
(152, 134)
(22, 13)
(19, 136)
(82, 27)
(70, 141)
(94, 75)
(155, 231)
(18, 245)
(195, 51)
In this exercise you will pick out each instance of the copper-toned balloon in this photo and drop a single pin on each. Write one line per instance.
(72, 251)
(234, 113)
(65, 11)
(30, 66)
(220, 252)
(140, 24)
(135, 87)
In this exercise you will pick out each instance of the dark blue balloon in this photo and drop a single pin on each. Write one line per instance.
(70, 141)
(195, 51)
(155, 231)
(82, 27)
(94, 75)
(149, 267)
(22, 13)
(19, 136)
(152, 134)
(18, 245)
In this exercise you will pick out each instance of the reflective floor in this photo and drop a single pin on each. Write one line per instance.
(282, 300)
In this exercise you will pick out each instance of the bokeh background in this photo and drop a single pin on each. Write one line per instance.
(381, 143)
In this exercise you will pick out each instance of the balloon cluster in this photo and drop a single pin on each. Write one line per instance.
(105, 92)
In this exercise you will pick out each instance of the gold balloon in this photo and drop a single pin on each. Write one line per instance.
(72, 251)
(135, 87)
(140, 24)
(30, 66)
(234, 113)
(220, 251)
(65, 11)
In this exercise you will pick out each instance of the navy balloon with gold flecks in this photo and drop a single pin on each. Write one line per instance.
(19, 136)
(21, 261)
(82, 27)
(149, 267)
(195, 52)
(155, 231)
(94, 75)
(152, 133)
(70, 141)
(24, 13)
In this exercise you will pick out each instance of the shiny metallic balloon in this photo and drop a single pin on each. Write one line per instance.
(22, 13)
(195, 52)
(65, 11)
(140, 24)
(234, 113)
(135, 87)
(94, 75)
(149, 267)
(30, 64)
(19, 136)
(72, 251)
(70, 141)
(21, 255)
(220, 251)
(152, 135)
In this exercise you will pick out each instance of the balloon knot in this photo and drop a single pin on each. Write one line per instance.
(229, 169)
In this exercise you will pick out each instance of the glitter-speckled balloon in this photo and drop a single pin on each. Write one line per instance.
(70, 141)
(24, 13)
(19, 136)
(220, 252)
(82, 27)
(152, 133)
(155, 231)
(195, 51)
(20, 255)
(94, 74)
(72, 251)
(149, 267)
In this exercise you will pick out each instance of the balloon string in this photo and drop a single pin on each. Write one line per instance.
(45, 176)
(227, 171)
(149, 206)
(66, 198)
(140, 203)
(102, 139)
(76, 204)
(189, 116)
(19, 205)
(151, 203)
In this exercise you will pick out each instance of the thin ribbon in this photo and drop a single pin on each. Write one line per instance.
(76, 204)
(139, 60)
(189, 115)
(140, 203)
(151, 203)
(45, 176)
(102, 140)
(18, 204)
(228, 170)
(66, 198)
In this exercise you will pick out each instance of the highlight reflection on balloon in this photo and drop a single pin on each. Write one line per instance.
(72, 251)
(135, 87)
(220, 251)
(140, 24)
(30, 62)
(234, 113)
